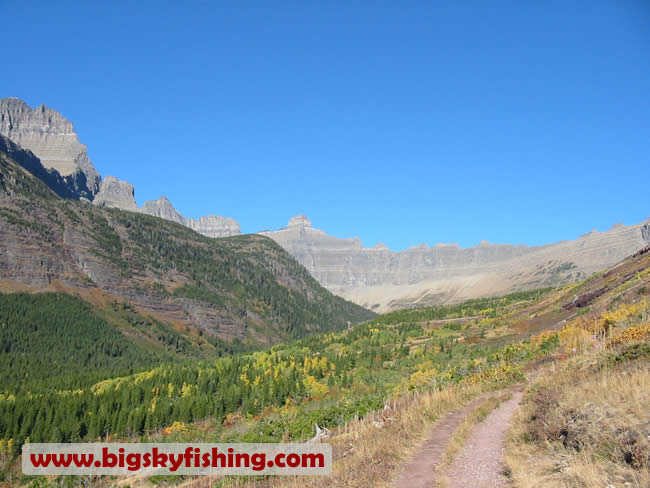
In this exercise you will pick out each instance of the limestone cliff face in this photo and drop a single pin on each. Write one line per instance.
(210, 226)
(383, 279)
(164, 209)
(45, 143)
(52, 138)
(64, 186)
(117, 194)
(214, 226)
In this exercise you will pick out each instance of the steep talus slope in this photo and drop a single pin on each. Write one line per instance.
(243, 287)
(445, 273)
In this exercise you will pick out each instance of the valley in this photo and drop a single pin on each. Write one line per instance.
(125, 323)
(392, 378)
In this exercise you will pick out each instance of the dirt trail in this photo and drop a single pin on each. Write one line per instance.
(419, 471)
(479, 463)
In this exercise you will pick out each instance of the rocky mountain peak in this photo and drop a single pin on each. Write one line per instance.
(299, 221)
(214, 226)
(46, 144)
(164, 209)
(52, 138)
(116, 193)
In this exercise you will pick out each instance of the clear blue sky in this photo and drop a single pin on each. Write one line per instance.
(398, 122)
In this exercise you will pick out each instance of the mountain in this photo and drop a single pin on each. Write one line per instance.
(116, 194)
(445, 356)
(48, 139)
(52, 139)
(210, 226)
(64, 186)
(383, 280)
(244, 287)
(45, 143)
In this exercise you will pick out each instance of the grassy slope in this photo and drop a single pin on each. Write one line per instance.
(585, 422)
(595, 394)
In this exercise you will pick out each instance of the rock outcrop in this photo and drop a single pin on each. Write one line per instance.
(299, 221)
(164, 209)
(45, 143)
(381, 279)
(214, 226)
(52, 138)
(117, 194)
(64, 186)
(210, 226)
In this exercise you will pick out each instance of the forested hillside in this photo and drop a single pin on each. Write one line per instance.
(244, 287)
(329, 379)
(358, 370)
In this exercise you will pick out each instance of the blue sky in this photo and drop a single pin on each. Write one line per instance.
(398, 122)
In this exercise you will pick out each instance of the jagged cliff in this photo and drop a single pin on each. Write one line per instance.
(382, 279)
(45, 143)
(164, 209)
(210, 226)
(214, 226)
(116, 194)
(52, 138)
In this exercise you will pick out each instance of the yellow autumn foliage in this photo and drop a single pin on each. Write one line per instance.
(636, 333)
(177, 427)
(314, 387)
(624, 313)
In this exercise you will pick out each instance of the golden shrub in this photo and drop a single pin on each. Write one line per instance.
(636, 333)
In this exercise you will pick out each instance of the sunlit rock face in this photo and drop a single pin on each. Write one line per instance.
(164, 209)
(381, 279)
(214, 226)
(117, 194)
(52, 138)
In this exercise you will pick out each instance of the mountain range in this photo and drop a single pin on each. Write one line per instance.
(376, 278)
(383, 280)
(159, 281)
(52, 139)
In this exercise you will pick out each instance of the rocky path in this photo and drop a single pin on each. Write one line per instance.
(419, 471)
(479, 463)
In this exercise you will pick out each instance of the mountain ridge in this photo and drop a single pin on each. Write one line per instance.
(382, 279)
(51, 138)
(376, 277)
(244, 287)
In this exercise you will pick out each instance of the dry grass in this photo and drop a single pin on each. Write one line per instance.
(368, 452)
(586, 423)
(458, 440)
